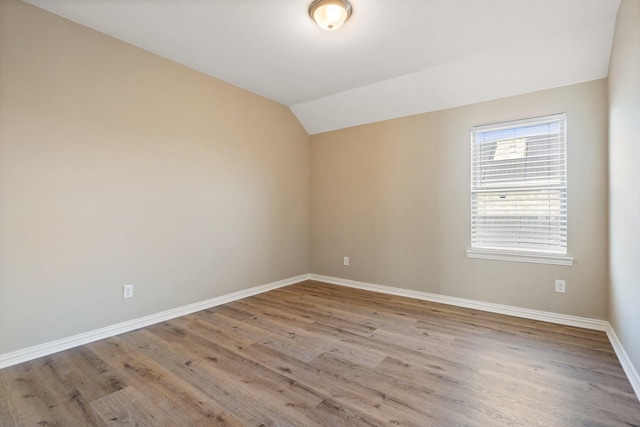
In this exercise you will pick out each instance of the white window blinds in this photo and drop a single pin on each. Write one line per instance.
(519, 186)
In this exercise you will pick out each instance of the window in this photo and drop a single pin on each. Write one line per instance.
(519, 190)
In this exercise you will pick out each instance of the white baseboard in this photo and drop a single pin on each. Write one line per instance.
(561, 319)
(544, 316)
(629, 369)
(30, 353)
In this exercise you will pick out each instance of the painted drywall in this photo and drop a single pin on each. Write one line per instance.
(117, 167)
(394, 196)
(624, 184)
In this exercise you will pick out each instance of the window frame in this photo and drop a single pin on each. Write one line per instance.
(517, 254)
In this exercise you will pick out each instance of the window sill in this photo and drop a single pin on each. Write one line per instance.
(519, 257)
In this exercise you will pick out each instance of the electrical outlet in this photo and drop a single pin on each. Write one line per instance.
(127, 291)
(346, 260)
(561, 286)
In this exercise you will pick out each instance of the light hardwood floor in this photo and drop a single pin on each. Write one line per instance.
(318, 354)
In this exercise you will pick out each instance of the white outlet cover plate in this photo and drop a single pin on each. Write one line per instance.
(127, 291)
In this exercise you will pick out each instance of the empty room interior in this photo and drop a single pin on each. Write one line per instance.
(320, 213)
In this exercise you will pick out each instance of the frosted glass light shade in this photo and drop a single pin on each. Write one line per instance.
(330, 14)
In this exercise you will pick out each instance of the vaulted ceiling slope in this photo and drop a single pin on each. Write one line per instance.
(393, 58)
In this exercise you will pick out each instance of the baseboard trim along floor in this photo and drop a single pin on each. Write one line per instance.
(30, 353)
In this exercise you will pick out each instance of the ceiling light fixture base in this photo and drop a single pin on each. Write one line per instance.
(330, 14)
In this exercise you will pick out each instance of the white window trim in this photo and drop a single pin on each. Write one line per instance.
(519, 257)
(514, 255)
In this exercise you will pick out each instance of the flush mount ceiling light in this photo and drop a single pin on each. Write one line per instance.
(330, 14)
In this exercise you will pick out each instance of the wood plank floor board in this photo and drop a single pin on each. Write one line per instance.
(551, 355)
(242, 370)
(370, 404)
(426, 397)
(406, 398)
(361, 399)
(344, 318)
(303, 350)
(228, 380)
(366, 312)
(407, 333)
(39, 387)
(174, 394)
(83, 370)
(315, 354)
(263, 329)
(436, 353)
(129, 407)
(413, 339)
(293, 329)
(330, 412)
(340, 320)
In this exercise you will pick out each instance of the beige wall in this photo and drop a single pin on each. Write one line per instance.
(394, 197)
(624, 202)
(118, 166)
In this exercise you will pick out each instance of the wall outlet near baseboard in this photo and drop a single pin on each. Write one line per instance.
(346, 260)
(561, 286)
(127, 291)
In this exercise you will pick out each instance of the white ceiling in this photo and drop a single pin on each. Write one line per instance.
(393, 58)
